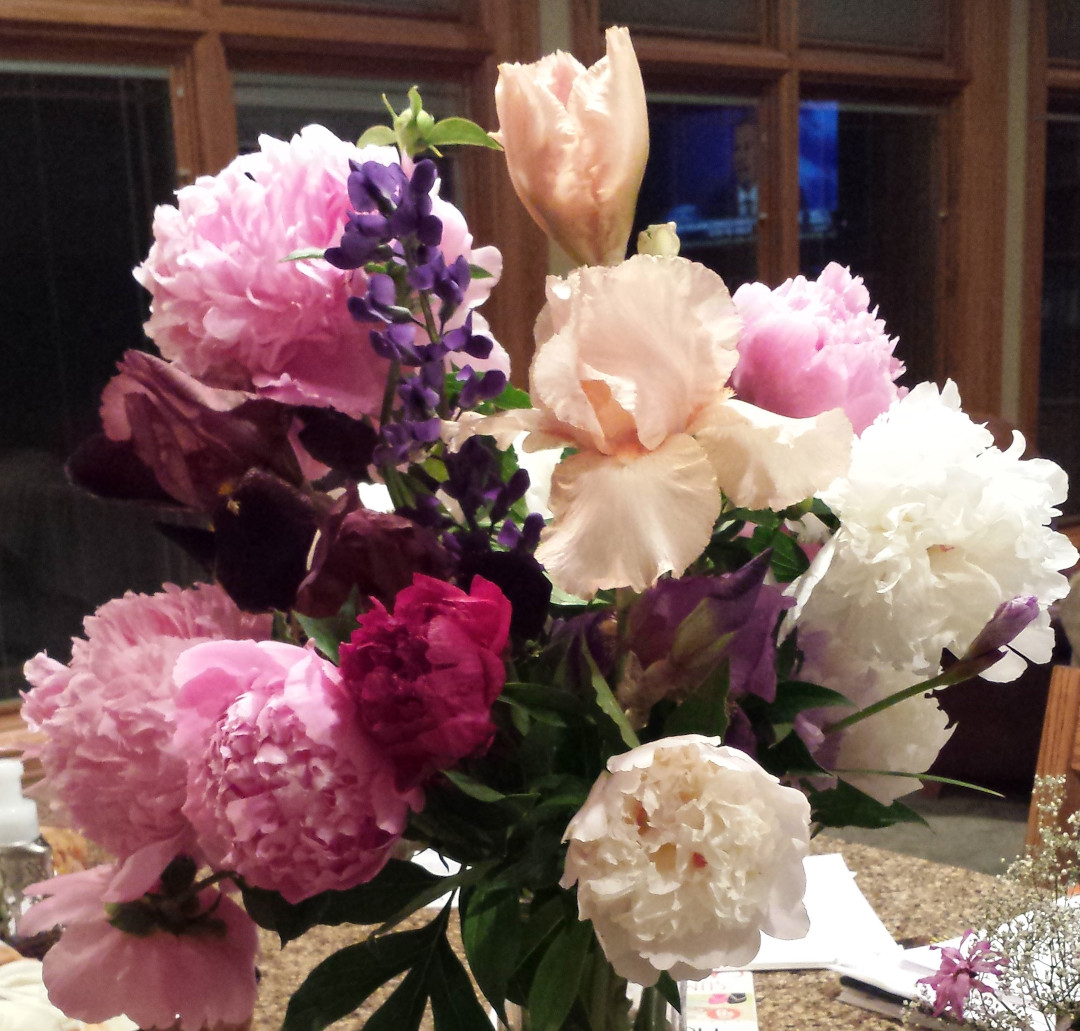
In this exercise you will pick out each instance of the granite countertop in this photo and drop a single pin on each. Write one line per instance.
(915, 898)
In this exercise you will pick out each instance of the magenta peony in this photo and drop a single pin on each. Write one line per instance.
(425, 678)
(185, 968)
(283, 785)
(809, 346)
(107, 717)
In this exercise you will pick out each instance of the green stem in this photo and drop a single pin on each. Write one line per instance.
(652, 1013)
(392, 377)
(954, 675)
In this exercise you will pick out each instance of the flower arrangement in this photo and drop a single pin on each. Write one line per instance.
(612, 646)
(1024, 973)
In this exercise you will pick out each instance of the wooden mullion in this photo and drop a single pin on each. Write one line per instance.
(586, 32)
(690, 56)
(496, 216)
(98, 16)
(1034, 204)
(974, 318)
(361, 34)
(823, 65)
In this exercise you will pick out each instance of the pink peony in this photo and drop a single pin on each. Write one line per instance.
(197, 972)
(576, 141)
(283, 785)
(807, 347)
(229, 311)
(107, 716)
(425, 678)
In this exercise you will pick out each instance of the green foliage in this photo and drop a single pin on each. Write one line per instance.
(414, 131)
(847, 806)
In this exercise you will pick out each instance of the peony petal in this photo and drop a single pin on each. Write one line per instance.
(764, 460)
(623, 522)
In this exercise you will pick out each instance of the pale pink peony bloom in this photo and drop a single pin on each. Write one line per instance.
(576, 141)
(107, 717)
(200, 976)
(229, 311)
(283, 786)
(631, 370)
(809, 346)
(684, 853)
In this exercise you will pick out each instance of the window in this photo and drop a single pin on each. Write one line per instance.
(104, 110)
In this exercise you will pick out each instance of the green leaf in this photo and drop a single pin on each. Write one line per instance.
(668, 987)
(847, 806)
(790, 757)
(378, 136)
(558, 977)
(479, 272)
(544, 696)
(460, 131)
(473, 788)
(329, 632)
(795, 696)
(453, 1002)
(704, 710)
(305, 254)
(396, 884)
(491, 932)
(607, 703)
(788, 559)
(404, 1010)
(341, 982)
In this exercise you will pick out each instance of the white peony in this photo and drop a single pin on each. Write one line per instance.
(904, 738)
(683, 854)
(938, 528)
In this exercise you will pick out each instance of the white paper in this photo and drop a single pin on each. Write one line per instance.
(843, 925)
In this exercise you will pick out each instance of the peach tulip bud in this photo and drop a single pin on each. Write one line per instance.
(576, 141)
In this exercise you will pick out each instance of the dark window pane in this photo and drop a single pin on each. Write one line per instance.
(904, 25)
(85, 158)
(868, 182)
(1059, 363)
(703, 176)
(1063, 29)
(729, 19)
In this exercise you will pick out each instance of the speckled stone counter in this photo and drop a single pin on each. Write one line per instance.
(915, 898)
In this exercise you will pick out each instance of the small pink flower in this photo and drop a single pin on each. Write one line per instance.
(283, 785)
(108, 716)
(962, 971)
(425, 678)
(809, 346)
(576, 141)
(192, 969)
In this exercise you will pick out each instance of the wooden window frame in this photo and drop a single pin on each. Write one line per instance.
(972, 93)
(200, 41)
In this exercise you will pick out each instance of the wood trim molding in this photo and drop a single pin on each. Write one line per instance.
(973, 316)
(1034, 216)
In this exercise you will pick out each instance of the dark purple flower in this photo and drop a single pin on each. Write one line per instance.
(198, 440)
(676, 625)
(377, 553)
(1009, 618)
(263, 531)
(961, 972)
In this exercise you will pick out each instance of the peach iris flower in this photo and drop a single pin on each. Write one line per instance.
(631, 371)
(576, 141)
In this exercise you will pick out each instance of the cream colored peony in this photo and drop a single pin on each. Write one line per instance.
(631, 371)
(684, 853)
(576, 140)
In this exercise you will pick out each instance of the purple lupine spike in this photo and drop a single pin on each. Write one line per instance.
(425, 174)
